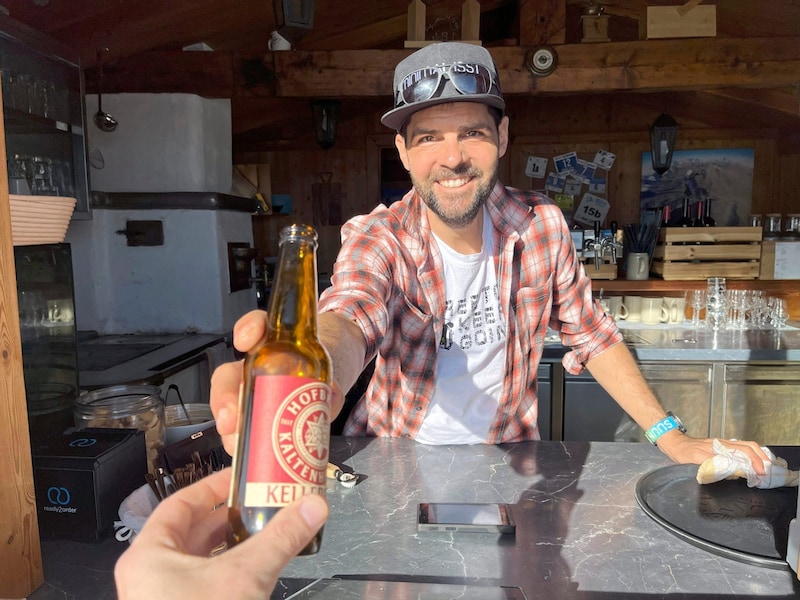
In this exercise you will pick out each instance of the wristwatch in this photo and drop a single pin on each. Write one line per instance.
(666, 424)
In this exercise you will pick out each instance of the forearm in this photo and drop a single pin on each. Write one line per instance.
(618, 373)
(346, 346)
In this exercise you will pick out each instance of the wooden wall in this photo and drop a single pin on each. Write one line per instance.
(540, 126)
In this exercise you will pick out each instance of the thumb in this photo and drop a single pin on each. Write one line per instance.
(266, 553)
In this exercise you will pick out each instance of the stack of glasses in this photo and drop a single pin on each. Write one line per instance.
(735, 309)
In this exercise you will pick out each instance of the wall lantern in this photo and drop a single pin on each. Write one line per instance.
(325, 114)
(663, 133)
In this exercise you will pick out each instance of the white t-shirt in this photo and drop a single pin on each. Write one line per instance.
(470, 373)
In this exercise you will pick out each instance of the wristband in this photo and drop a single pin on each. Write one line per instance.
(666, 424)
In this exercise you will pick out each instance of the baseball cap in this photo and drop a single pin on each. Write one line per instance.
(443, 72)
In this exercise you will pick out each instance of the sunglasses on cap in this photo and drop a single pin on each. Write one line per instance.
(424, 84)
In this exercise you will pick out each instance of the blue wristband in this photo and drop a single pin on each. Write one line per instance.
(666, 424)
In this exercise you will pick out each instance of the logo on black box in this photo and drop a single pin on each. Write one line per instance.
(59, 498)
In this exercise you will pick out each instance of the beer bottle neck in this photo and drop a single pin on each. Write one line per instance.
(293, 302)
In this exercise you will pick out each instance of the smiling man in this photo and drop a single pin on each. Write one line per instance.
(451, 290)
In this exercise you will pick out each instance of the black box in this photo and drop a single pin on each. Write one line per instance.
(82, 477)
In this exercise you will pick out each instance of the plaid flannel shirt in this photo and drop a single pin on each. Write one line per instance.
(387, 279)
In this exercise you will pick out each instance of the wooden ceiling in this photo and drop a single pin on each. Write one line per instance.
(753, 63)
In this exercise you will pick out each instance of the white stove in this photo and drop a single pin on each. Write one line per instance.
(180, 285)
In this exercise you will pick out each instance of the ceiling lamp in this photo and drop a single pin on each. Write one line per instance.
(663, 133)
(325, 114)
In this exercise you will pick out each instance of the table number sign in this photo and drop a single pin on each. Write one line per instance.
(536, 167)
(592, 208)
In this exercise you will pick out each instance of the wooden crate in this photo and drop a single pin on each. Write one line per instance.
(686, 253)
(607, 269)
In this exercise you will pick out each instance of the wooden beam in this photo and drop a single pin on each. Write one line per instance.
(20, 551)
(542, 22)
(786, 101)
(708, 110)
(209, 74)
(652, 65)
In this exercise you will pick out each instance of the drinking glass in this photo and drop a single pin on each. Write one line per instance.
(716, 303)
(737, 302)
(778, 313)
(755, 300)
(697, 300)
(759, 312)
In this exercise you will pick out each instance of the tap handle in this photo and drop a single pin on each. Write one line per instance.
(597, 245)
(613, 242)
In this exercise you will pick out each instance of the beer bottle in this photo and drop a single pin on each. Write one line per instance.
(708, 220)
(685, 220)
(284, 423)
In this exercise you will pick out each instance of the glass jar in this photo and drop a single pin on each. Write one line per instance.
(772, 226)
(754, 221)
(126, 407)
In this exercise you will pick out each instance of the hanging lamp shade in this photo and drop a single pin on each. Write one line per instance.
(325, 114)
(663, 133)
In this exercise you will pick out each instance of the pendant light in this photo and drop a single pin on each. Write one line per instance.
(663, 133)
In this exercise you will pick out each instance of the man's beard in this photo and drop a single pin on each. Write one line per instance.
(470, 212)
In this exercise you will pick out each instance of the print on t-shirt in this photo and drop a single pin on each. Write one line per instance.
(473, 321)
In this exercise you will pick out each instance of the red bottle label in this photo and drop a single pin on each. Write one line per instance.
(287, 453)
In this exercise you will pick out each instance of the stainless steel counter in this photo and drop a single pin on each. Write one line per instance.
(682, 343)
(107, 360)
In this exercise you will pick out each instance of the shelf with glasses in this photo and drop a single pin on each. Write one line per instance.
(19, 122)
(789, 289)
(660, 285)
(44, 116)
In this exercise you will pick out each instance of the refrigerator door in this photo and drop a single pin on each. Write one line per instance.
(47, 326)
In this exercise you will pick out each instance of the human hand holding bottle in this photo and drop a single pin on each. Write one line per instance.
(170, 558)
(225, 381)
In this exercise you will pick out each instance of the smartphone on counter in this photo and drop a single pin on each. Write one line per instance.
(455, 517)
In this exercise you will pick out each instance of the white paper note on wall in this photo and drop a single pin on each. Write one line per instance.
(787, 260)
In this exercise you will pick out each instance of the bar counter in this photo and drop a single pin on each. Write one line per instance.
(580, 532)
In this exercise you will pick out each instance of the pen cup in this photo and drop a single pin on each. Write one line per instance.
(637, 266)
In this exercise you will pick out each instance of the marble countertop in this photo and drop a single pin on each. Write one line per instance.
(580, 532)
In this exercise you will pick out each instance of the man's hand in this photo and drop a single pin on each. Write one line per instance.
(248, 332)
(685, 449)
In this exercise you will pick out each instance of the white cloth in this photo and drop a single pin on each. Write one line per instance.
(133, 513)
(732, 464)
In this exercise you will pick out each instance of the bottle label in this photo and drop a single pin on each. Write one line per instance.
(287, 453)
